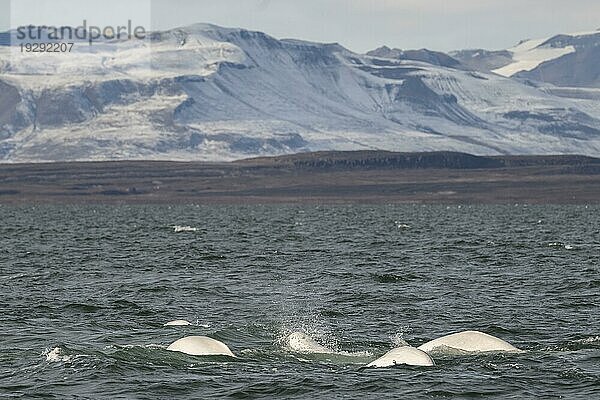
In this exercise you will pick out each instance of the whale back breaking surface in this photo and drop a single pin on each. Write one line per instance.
(469, 342)
(200, 346)
(178, 322)
(302, 343)
(405, 355)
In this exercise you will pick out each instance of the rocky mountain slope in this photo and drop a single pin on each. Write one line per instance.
(209, 93)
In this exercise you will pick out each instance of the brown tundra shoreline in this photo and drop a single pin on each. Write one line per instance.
(324, 177)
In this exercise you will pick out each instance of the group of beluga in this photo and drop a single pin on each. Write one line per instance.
(462, 342)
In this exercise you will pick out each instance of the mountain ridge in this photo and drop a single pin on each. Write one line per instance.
(209, 93)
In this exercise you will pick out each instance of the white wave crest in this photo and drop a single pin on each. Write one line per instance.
(55, 355)
(589, 340)
(179, 228)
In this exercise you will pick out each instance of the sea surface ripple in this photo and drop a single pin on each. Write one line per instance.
(86, 291)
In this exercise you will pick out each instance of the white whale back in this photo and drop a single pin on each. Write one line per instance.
(200, 346)
(302, 343)
(405, 355)
(178, 322)
(469, 341)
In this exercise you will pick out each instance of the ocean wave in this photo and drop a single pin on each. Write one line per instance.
(589, 340)
(62, 354)
(135, 346)
(561, 244)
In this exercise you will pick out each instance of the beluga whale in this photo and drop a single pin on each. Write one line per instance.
(405, 355)
(200, 346)
(468, 342)
(178, 322)
(302, 343)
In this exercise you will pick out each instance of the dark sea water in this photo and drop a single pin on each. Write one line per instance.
(86, 291)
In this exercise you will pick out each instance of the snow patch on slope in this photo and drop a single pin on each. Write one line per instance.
(530, 54)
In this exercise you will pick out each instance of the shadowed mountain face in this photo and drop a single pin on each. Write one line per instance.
(9, 100)
(482, 60)
(423, 55)
(578, 69)
(208, 93)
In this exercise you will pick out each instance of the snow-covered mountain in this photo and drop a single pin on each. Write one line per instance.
(563, 60)
(423, 55)
(209, 93)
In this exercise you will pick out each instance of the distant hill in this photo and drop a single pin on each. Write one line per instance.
(440, 160)
(323, 177)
